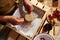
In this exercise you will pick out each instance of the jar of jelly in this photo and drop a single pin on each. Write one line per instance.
(47, 27)
(55, 3)
(40, 0)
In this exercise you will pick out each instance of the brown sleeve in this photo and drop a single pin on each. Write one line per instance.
(6, 5)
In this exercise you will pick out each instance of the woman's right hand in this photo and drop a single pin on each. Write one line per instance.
(28, 6)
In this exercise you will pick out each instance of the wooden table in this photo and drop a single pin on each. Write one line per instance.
(40, 6)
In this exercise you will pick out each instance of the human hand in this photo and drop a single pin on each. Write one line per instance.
(28, 6)
(12, 19)
(15, 20)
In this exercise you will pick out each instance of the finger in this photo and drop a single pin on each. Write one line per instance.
(20, 20)
(30, 9)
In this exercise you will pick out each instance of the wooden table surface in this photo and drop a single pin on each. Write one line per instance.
(40, 5)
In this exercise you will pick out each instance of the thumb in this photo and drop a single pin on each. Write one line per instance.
(20, 20)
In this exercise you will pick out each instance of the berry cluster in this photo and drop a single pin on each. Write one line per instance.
(42, 38)
(56, 14)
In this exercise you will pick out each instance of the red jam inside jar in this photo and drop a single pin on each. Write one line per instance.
(42, 38)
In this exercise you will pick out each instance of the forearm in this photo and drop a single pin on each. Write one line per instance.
(26, 1)
(4, 18)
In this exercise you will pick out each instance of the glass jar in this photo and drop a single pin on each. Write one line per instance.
(55, 3)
